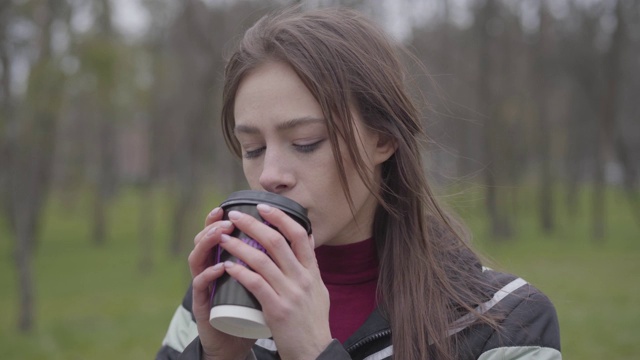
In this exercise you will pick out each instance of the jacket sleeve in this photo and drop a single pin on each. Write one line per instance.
(334, 351)
(182, 331)
(181, 341)
(265, 349)
(529, 331)
(193, 351)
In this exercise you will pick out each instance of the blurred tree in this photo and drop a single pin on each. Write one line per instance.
(154, 55)
(543, 65)
(100, 60)
(6, 98)
(606, 124)
(488, 25)
(196, 40)
(190, 42)
(29, 144)
(627, 131)
(580, 61)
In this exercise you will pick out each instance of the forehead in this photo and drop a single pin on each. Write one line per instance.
(273, 93)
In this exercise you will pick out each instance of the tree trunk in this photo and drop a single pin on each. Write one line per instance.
(607, 125)
(24, 254)
(99, 218)
(183, 210)
(6, 114)
(29, 154)
(146, 234)
(500, 224)
(630, 176)
(573, 158)
(105, 181)
(105, 134)
(541, 88)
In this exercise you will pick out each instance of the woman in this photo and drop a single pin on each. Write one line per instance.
(315, 104)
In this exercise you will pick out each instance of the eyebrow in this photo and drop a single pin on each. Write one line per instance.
(287, 125)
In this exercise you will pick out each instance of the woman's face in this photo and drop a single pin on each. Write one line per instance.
(286, 150)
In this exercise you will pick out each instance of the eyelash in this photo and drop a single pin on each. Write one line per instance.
(305, 149)
(308, 148)
(253, 153)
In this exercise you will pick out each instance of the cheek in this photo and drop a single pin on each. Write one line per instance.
(252, 174)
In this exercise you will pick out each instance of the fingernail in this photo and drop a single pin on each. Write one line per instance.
(264, 208)
(234, 215)
(214, 212)
(225, 224)
(217, 266)
(225, 238)
(228, 264)
(212, 231)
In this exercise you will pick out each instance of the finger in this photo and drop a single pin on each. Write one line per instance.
(201, 289)
(213, 216)
(252, 281)
(301, 243)
(210, 222)
(202, 234)
(225, 227)
(272, 240)
(202, 254)
(256, 259)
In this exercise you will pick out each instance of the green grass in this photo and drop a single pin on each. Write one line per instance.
(95, 303)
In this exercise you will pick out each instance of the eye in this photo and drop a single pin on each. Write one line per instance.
(252, 154)
(308, 148)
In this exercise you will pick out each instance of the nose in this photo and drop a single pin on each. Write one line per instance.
(276, 175)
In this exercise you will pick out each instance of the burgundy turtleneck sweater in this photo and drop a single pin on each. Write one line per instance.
(350, 273)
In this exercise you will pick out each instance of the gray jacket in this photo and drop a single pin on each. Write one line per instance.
(528, 330)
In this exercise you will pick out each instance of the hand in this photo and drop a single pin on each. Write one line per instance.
(286, 282)
(215, 344)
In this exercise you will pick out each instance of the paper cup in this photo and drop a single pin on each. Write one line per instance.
(234, 310)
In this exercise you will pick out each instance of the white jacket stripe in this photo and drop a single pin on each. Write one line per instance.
(182, 330)
(469, 318)
(382, 354)
(521, 353)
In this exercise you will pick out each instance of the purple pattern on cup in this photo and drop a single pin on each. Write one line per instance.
(245, 239)
(254, 244)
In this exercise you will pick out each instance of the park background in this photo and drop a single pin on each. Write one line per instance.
(111, 156)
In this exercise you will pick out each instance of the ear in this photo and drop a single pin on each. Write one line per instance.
(385, 147)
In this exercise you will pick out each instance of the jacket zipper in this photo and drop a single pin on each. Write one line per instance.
(368, 339)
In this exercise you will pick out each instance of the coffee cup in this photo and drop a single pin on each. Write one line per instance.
(234, 310)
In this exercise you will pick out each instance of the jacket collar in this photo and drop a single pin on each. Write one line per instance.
(375, 323)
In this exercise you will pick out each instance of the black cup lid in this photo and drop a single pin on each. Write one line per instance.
(255, 197)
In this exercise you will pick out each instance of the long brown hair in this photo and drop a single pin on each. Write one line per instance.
(428, 274)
